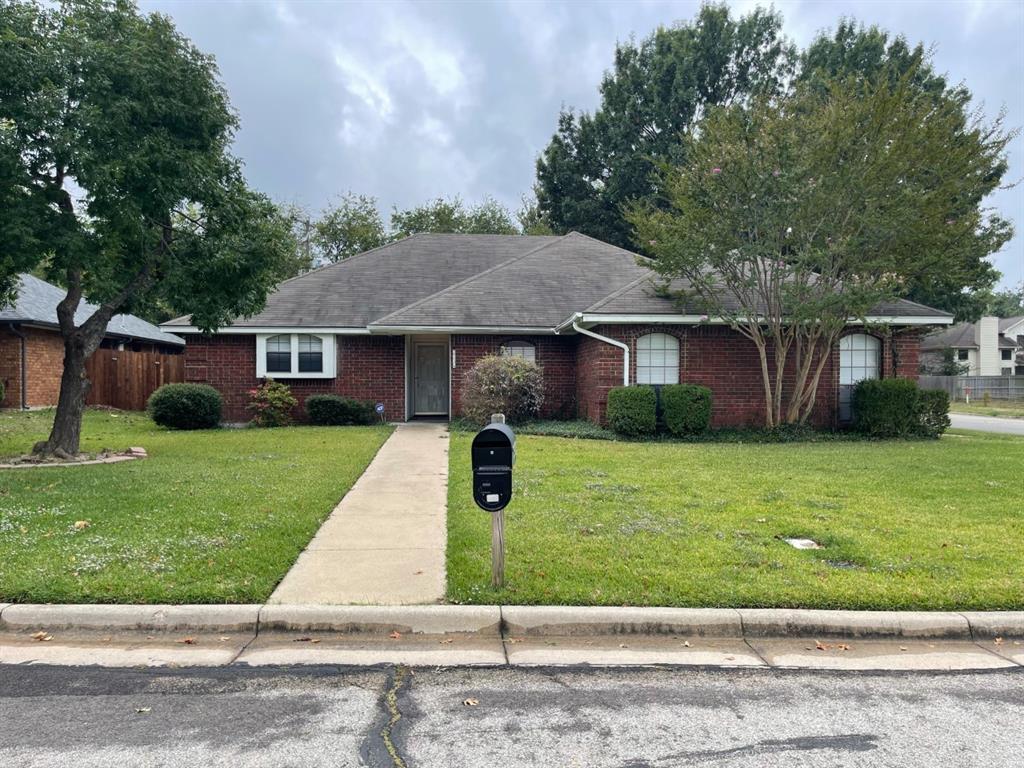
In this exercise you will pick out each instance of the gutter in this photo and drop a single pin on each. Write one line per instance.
(624, 347)
(24, 364)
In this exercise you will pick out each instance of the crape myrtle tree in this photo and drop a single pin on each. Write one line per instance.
(789, 216)
(117, 177)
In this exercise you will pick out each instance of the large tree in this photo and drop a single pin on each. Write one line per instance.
(793, 216)
(657, 89)
(454, 216)
(349, 226)
(116, 174)
(960, 281)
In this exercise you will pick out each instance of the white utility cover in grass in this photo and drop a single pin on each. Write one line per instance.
(803, 543)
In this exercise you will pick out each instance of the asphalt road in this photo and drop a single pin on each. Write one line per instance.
(987, 424)
(648, 718)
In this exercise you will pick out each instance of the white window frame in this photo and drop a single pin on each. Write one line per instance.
(329, 357)
(519, 349)
(645, 369)
(1006, 355)
(863, 344)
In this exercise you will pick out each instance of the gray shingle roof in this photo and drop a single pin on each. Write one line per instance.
(477, 281)
(961, 336)
(642, 297)
(539, 289)
(36, 304)
(363, 288)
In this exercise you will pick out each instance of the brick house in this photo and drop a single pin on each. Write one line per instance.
(402, 324)
(32, 350)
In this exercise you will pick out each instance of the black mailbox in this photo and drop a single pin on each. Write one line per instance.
(494, 455)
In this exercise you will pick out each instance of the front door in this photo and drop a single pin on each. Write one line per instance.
(430, 373)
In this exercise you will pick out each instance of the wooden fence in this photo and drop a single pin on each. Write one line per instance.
(976, 387)
(125, 379)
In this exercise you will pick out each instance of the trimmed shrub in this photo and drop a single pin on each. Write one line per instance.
(886, 408)
(632, 411)
(271, 404)
(3, 392)
(933, 406)
(686, 408)
(185, 406)
(509, 385)
(338, 411)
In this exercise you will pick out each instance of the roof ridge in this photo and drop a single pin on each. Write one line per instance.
(469, 279)
(616, 293)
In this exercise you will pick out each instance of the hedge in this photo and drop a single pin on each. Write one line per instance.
(185, 406)
(509, 385)
(686, 408)
(632, 411)
(897, 408)
(338, 411)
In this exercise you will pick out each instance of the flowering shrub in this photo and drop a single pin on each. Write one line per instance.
(509, 385)
(271, 404)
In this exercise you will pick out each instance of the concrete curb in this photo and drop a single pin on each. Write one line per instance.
(519, 620)
(771, 622)
(383, 619)
(192, 618)
(563, 621)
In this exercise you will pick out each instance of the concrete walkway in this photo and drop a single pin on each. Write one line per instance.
(385, 542)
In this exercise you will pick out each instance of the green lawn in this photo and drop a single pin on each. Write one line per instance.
(906, 525)
(210, 516)
(1005, 409)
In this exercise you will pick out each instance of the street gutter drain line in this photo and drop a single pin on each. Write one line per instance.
(394, 715)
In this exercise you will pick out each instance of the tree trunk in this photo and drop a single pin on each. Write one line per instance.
(66, 432)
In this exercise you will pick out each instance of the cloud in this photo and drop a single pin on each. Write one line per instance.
(409, 100)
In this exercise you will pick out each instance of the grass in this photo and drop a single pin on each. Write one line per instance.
(210, 516)
(1006, 409)
(905, 525)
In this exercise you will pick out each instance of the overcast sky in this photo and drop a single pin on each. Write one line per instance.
(407, 101)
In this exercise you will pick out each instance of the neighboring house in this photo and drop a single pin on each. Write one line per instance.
(402, 324)
(32, 350)
(992, 346)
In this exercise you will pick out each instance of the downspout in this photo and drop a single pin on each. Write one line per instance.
(24, 364)
(624, 347)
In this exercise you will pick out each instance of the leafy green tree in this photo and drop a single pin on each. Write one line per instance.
(452, 215)
(657, 89)
(1007, 303)
(350, 226)
(793, 216)
(943, 363)
(115, 172)
(961, 280)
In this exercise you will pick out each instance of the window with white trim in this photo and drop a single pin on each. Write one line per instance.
(657, 359)
(523, 349)
(1007, 354)
(962, 354)
(860, 358)
(295, 356)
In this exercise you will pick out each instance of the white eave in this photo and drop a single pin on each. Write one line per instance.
(590, 319)
(261, 329)
(467, 329)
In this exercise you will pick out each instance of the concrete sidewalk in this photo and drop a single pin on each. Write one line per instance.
(385, 542)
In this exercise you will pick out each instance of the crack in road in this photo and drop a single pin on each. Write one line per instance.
(379, 748)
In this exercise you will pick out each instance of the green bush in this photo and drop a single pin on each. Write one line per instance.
(338, 411)
(3, 392)
(933, 409)
(686, 408)
(271, 404)
(887, 408)
(509, 385)
(632, 411)
(185, 406)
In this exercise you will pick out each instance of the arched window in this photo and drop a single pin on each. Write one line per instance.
(860, 358)
(523, 349)
(657, 359)
(311, 354)
(279, 354)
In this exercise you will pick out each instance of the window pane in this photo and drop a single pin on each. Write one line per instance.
(521, 349)
(311, 357)
(279, 354)
(657, 359)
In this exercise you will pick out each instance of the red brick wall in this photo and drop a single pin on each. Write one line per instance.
(369, 368)
(555, 354)
(727, 363)
(45, 357)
